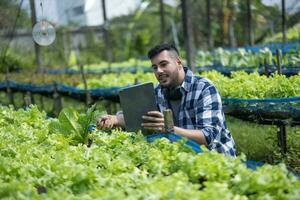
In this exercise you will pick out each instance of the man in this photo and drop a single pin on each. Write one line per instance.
(195, 102)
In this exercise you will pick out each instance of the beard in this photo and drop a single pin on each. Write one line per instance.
(169, 80)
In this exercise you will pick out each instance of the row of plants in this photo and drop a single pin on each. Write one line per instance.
(239, 84)
(51, 159)
(94, 80)
(245, 58)
(218, 57)
(292, 34)
(243, 85)
(240, 58)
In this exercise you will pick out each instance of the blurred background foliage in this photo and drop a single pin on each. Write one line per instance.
(131, 36)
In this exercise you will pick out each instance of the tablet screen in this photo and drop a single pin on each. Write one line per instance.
(136, 101)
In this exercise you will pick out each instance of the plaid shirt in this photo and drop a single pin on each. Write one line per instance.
(201, 108)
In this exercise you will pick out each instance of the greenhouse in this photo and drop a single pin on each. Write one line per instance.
(150, 99)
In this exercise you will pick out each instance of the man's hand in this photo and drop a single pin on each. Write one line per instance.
(107, 122)
(154, 120)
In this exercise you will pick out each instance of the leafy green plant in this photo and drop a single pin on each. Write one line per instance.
(9, 63)
(242, 58)
(121, 165)
(292, 35)
(244, 85)
(74, 125)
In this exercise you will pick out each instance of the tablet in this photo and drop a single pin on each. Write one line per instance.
(136, 101)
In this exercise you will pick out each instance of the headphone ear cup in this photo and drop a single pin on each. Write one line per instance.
(166, 93)
(173, 94)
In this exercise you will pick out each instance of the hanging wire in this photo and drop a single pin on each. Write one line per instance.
(11, 35)
(42, 18)
(41, 4)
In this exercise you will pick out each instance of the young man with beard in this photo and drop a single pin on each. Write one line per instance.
(194, 101)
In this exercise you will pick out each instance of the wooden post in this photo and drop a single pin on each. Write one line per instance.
(249, 23)
(266, 69)
(9, 92)
(278, 60)
(57, 106)
(225, 22)
(282, 141)
(109, 55)
(42, 102)
(88, 98)
(283, 17)
(281, 133)
(41, 97)
(28, 99)
(231, 20)
(208, 20)
(36, 46)
(174, 33)
(188, 34)
(162, 21)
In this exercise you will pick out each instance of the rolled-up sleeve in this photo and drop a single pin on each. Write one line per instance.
(209, 115)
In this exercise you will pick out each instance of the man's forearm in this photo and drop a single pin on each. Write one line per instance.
(196, 135)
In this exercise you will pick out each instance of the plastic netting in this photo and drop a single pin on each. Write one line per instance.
(65, 90)
(101, 70)
(284, 47)
(286, 70)
(226, 70)
(265, 111)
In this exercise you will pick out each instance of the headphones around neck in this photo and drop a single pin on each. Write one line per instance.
(173, 93)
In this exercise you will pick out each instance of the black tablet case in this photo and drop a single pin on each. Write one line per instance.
(136, 101)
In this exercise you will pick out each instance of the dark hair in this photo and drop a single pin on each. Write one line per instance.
(159, 48)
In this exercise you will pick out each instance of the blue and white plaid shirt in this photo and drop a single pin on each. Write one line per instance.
(201, 108)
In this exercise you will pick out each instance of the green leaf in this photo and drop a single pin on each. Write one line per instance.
(68, 119)
(54, 126)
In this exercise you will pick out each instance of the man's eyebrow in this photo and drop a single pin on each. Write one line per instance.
(163, 61)
(153, 65)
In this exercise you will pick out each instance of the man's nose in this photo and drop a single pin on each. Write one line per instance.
(159, 70)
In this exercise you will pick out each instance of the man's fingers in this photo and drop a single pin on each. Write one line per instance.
(153, 125)
(99, 123)
(155, 114)
(154, 119)
(101, 119)
(105, 122)
(159, 127)
(108, 123)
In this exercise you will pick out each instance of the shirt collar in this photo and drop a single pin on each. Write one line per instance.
(188, 79)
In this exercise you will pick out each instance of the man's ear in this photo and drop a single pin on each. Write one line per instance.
(179, 61)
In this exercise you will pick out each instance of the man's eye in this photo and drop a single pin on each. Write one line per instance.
(154, 68)
(163, 64)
